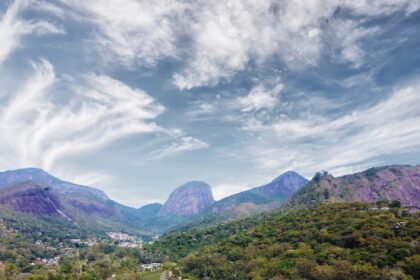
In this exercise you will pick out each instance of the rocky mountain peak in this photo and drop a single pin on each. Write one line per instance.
(291, 180)
(188, 199)
(397, 182)
(44, 179)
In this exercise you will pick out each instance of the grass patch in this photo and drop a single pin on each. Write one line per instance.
(152, 275)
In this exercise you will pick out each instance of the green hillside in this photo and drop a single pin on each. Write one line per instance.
(329, 241)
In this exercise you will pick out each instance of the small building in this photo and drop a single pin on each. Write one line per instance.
(151, 267)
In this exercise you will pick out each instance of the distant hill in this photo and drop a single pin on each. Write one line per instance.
(193, 204)
(265, 197)
(41, 177)
(30, 198)
(189, 199)
(35, 192)
(256, 200)
(327, 241)
(397, 182)
(148, 212)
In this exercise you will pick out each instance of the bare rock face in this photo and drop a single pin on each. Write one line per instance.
(30, 198)
(42, 178)
(188, 199)
(33, 191)
(398, 182)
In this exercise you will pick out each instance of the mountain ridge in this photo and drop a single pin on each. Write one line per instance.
(78, 204)
(271, 194)
(43, 177)
(34, 191)
(393, 182)
(85, 205)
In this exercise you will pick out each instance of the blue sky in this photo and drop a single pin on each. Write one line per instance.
(136, 97)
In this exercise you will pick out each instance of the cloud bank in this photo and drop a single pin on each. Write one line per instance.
(218, 39)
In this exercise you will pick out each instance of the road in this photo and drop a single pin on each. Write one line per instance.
(164, 275)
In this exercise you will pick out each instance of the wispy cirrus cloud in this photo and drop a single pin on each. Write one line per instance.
(51, 119)
(346, 38)
(13, 28)
(182, 144)
(45, 124)
(342, 144)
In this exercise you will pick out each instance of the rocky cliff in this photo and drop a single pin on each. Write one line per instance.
(35, 192)
(30, 198)
(398, 182)
(188, 199)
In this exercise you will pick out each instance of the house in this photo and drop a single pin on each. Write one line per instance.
(398, 225)
(150, 267)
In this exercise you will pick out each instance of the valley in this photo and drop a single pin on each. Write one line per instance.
(364, 225)
(209, 140)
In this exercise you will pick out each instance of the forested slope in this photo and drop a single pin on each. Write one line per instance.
(329, 241)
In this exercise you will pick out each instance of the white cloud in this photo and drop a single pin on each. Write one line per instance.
(228, 36)
(185, 143)
(263, 96)
(260, 97)
(50, 8)
(347, 37)
(379, 7)
(44, 125)
(87, 178)
(132, 30)
(13, 28)
(199, 109)
(342, 144)
(223, 190)
(216, 39)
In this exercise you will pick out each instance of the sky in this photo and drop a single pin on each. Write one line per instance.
(136, 97)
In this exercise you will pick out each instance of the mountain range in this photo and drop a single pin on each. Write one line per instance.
(266, 197)
(36, 193)
(32, 191)
(397, 182)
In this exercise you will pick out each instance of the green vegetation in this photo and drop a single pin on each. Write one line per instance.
(88, 263)
(46, 248)
(329, 241)
(152, 276)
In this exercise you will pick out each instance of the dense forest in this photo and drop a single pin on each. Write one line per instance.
(329, 241)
